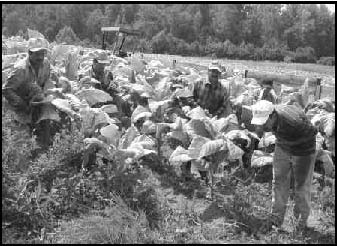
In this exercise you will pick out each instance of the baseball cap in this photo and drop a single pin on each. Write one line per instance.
(261, 111)
(103, 58)
(267, 82)
(37, 44)
(214, 66)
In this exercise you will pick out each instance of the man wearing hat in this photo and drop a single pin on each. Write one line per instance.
(27, 84)
(295, 149)
(210, 94)
(99, 63)
(267, 92)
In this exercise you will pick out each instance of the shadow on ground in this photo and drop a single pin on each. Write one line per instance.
(170, 179)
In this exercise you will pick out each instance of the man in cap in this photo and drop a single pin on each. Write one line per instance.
(210, 94)
(27, 83)
(98, 67)
(267, 92)
(294, 150)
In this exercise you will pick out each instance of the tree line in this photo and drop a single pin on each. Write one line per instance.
(289, 32)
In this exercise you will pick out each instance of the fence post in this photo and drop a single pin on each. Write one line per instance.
(318, 90)
(245, 73)
(174, 64)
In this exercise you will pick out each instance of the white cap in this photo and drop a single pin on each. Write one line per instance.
(37, 44)
(214, 66)
(261, 111)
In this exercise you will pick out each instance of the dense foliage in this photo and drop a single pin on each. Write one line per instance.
(289, 32)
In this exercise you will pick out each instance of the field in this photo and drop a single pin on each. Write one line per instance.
(326, 73)
(155, 203)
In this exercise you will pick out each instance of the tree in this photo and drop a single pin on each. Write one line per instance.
(94, 23)
(112, 11)
(252, 25)
(150, 20)
(198, 28)
(270, 15)
(227, 22)
(67, 35)
(14, 23)
(205, 22)
(181, 23)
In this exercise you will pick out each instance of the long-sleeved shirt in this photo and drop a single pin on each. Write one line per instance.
(212, 97)
(294, 132)
(268, 94)
(23, 84)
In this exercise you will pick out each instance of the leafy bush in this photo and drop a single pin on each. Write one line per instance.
(327, 61)
(144, 46)
(195, 48)
(305, 55)
(67, 35)
(230, 50)
(246, 51)
(159, 43)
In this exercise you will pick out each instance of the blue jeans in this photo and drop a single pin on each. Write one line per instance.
(302, 167)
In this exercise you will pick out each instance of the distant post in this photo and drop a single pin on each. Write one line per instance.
(318, 89)
(174, 63)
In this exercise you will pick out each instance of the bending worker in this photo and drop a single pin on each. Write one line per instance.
(295, 149)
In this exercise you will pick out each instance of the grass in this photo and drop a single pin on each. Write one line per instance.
(326, 73)
(269, 66)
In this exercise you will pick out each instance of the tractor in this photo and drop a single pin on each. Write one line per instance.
(120, 35)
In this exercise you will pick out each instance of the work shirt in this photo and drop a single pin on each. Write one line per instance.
(268, 94)
(294, 132)
(211, 96)
(23, 84)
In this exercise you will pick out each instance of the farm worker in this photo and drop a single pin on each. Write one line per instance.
(99, 63)
(26, 84)
(267, 92)
(211, 94)
(295, 149)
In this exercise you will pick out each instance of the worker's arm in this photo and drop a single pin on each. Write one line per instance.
(47, 82)
(194, 88)
(274, 96)
(9, 90)
(225, 107)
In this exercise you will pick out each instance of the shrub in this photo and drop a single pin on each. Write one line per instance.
(289, 59)
(230, 50)
(258, 54)
(86, 43)
(159, 43)
(144, 46)
(182, 47)
(305, 55)
(328, 61)
(289, 56)
(195, 48)
(67, 35)
(246, 51)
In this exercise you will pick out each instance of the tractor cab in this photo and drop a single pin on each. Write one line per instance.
(119, 34)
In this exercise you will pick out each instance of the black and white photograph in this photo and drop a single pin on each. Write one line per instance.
(169, 122)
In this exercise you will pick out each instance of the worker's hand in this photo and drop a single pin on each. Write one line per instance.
(35, 89)
(37, 98)
(219, 111)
